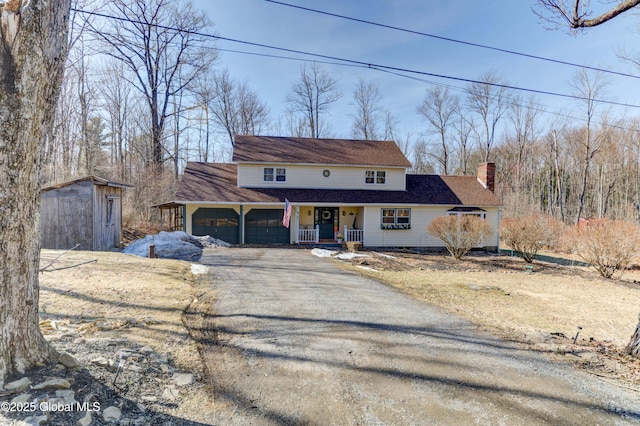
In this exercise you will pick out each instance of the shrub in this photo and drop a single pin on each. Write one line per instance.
(608, 245)
(460, 233)
(528, 235)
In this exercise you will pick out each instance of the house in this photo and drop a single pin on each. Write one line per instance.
(356, 189)
(86, 211)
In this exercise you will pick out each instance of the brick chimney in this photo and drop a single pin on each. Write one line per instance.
(487, 175)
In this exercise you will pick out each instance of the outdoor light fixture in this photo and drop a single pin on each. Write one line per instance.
(309, 212)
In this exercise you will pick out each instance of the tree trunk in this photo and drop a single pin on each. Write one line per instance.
(633, 348)
(32, 56)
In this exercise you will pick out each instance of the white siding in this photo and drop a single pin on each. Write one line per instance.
(340, 177)
(417, 236)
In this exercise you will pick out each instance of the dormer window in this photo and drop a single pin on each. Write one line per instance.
(279, 174)
(375, 177)
(268, 174)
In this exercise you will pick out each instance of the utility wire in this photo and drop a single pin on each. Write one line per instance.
(467, 43)
(361, 63)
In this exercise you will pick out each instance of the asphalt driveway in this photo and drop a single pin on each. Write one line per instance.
(296, 340)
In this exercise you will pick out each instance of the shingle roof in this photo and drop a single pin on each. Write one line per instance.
(97, 180)
(217, 182)
(268, 149)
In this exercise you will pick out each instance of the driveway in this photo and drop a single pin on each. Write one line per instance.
(296, 340)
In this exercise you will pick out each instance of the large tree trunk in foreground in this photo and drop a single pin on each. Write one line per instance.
(32, 56)
(633, 348)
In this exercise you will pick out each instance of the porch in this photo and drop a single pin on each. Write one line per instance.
(328, 224)
(312, 236)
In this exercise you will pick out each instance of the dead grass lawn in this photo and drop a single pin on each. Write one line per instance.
(122, 295)
(534, 308)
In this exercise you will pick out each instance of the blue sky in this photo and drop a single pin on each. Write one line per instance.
(506, 24)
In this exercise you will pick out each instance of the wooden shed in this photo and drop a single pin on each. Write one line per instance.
(86, 211)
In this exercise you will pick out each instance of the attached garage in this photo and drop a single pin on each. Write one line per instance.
(264, 226)
(217, 223)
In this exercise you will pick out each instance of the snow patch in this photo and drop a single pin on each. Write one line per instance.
(198, 269)
(174, 245)
(349, 256)
(323, 252)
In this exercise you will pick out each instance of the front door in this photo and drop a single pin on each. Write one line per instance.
(327, 218)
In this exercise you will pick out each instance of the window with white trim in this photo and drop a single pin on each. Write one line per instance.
(268, 174)
(395, 219)
(375, 177)
(481, 215)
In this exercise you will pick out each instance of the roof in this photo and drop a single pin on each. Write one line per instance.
(289, 150)
(217, 182)
(97, 180)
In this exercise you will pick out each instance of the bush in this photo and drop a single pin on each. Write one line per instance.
(528, 235)
(608, 245)
(460, 233)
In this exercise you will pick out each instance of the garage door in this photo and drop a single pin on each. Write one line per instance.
(264, 226)
(218, 223)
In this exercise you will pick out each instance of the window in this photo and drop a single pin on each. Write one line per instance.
(481, 215)
(396, 219)
(270, 174)
(376, 177)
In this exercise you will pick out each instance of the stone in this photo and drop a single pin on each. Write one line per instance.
(68, 396)
(86, 420)
(100, 362)
(170, 393)
(183, 379)
(165, 368)
(18, 385)
(36, 420)
(53, 384)
(68, 360)
(145, 350)
(149, 398)
(111, 414)
(21, 399)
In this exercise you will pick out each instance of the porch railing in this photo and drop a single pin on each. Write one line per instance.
(309, 235)
(353, 234)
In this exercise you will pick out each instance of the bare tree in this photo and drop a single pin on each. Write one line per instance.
(575, 13)
(34, 41)
(312, 95)
(489, 102)
(161, 44)
(588, 87)
(438, 107)
(366, 98)
(235, 108)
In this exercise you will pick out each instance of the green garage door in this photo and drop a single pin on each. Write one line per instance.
(264, 226)
(218, 223)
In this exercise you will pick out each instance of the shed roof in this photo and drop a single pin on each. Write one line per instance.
(217, 182)
(97, 180)
(290, 150)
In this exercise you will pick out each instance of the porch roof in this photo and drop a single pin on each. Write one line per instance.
(217, 182)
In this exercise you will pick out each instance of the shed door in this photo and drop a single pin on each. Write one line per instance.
(113, 224)
(264, 226)
(217, 223)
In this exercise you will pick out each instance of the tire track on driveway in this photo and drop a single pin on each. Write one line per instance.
(299, 341)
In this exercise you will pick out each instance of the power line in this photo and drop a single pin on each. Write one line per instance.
(360, 63)
(452, 40)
